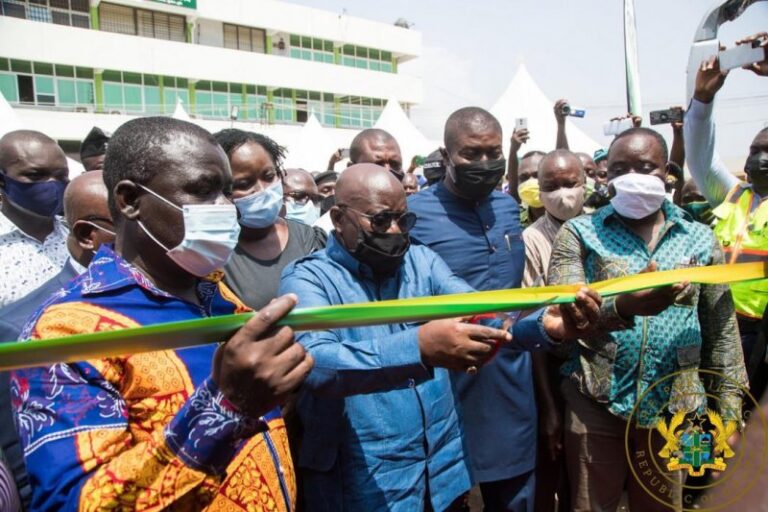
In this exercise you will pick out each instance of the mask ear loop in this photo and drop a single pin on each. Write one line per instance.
(161, 198)
(144, 228)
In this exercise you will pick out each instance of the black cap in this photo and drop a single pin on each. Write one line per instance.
(326, 176)
(94, 144)
(434, 167)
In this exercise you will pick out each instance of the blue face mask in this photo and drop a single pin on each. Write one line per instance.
(260, 210)
(306, 213)
(43, 198)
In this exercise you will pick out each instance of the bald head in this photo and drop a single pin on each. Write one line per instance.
(468, 120)
(362, 185)
(22, 143)
(375, 146)
(86, 196)
(86, 208)
(299, 180)
(560, 169)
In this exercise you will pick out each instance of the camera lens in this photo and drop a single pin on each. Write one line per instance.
(565, 109)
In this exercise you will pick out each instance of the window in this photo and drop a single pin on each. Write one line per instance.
(309, 48)
(141, 22)
(357, 112)
(136, 93)
(73, 13)
(216, 99)
(42, 84)
(244, 38)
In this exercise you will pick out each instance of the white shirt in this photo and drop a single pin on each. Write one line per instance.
(25, 262)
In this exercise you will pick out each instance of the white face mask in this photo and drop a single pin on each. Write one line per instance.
(260, 209)
(637, 195)
(306, 213)
(210, 235)
(564, 203)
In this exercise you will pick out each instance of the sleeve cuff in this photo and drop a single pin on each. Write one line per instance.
(529, 333)
(401, 352)
(206, 433)
(610, 319)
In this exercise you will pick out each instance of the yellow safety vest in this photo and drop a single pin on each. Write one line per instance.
(742, 232)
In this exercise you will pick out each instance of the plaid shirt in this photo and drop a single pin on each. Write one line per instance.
(625, 358)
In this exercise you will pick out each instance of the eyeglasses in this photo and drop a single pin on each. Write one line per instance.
(301, 198)
(381, 221)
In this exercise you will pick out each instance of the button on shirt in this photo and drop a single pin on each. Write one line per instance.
(25, 262)
(482, 243)
(379, 425)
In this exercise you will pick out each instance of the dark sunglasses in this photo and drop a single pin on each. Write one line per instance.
(301, 198)
(381, 221)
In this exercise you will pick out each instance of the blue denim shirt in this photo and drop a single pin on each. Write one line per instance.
(379, 425)
(482, 243)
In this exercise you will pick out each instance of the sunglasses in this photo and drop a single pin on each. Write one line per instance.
(381, 221)
(301, 198)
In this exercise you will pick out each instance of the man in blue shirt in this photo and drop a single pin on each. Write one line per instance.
(381, 427)
(477, 231)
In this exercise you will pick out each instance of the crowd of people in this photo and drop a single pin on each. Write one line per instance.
(541, 410)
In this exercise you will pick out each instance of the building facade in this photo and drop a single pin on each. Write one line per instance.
(66, 65)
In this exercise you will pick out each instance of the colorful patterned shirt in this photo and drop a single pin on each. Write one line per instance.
(146, 431)
(624, 359)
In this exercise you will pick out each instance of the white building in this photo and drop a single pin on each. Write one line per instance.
(67, 65)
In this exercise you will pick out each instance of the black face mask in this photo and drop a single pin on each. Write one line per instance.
(756, 168)
(383, 252)
(476, 180)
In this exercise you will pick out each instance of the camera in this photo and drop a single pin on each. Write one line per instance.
(672, 115)
(567, 110)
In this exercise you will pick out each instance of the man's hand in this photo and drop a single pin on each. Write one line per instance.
(336, 157)
(559, 116)
(575, 320)
(709, 80)
(759, 68)
(551, 425)
(456, 345)
(649, 302)
(519, 137)
(261, 364)
(414, 164)
(677, 126)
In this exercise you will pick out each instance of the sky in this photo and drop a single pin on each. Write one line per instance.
(574, 49)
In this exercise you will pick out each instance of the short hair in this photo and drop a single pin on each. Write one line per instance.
(136, 152)
(642, 130)
(9, 139)
(355, 148)
(232, 138)
(463, 117)
(535, 152)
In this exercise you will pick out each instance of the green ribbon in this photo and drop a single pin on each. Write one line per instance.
(187, 333)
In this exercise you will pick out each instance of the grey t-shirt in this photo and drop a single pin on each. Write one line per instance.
(256, 281)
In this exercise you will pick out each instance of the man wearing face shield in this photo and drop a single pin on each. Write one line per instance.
(160, 430)
(476, 230)
(381, 426)
(641, 337)
(740, 208)
(33, 239)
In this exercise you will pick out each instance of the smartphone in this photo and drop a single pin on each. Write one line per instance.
(345, 153)
(617, 126)
(672, 115)
(521, 123)
(419, 160)
(741, 55)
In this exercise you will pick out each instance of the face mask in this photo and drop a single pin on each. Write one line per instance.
(383, 252)
(306, 213)
(476, 180)
(564, 203)
(260, 210)
(756, 167)
(210, 236)
(637, 195)
(43, 198)
(529, 193)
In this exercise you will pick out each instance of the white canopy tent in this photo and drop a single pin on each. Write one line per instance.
(412, 142)
(311, 147)
(524, 98)
(180, 112)
(9, 122)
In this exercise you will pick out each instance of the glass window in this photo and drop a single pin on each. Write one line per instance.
(85, 94)
(66, 92)
(386, 66)
(113, 96)
(13, 9)
(295, 40)
(9, 87)
(306, 42)
(4, 64)
(133, 101)
(127, 20)
(81, 20)
(328, 46)
(44, 85)
(132, 78)
(328, 58)
(152, 100)
(79, 5)
(295, 53)
(65, 70)
(84, 73)
(21, 66)
(361, 52)
(116, 18)
(43, 69)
